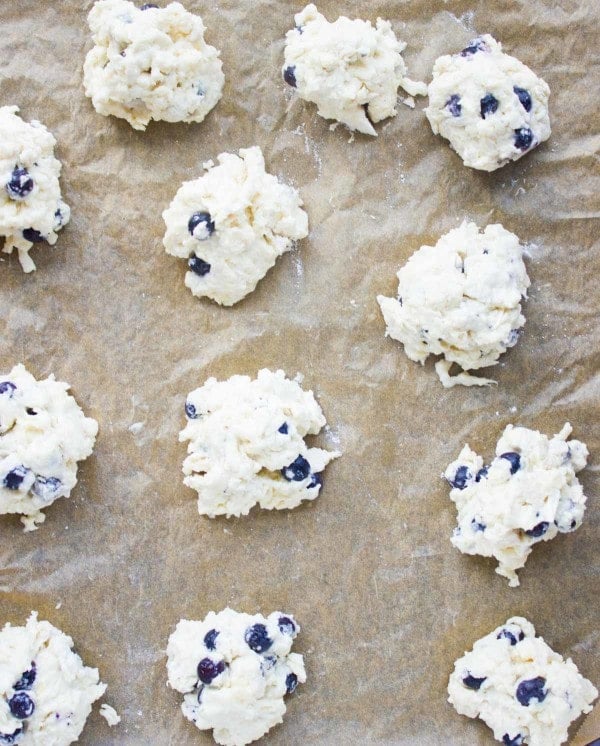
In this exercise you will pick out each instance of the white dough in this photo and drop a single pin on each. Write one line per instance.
(524, 691)
(247, 444)
(31, 206)
(45, 684)
(234, 670)
(150, 64)
(529, 493)
(351, 70)
(460, 299)
(490, 106)
(231, 224)
(43, 434)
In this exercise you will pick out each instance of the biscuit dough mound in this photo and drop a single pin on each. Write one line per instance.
(234, 671)
(43, 434)
(529, 493)
(460, 299)
(351, 70)
(150, 63)
(247, 444)
(490, 106)
(524, 691)
(231, 224)
(31, 206)
(46, 693)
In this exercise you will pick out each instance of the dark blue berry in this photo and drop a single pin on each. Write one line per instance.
(481, 474)
(267, 663)
(20, 184)
(289, 75)
(286, 625)
(316, 480)
(508, 635)
(21, 705)
(538, 530)
(283, 429)
(462, 476)
(198, 266)
(15, 477)
(453, 105)
(516, 741)
(291, 682)
(475, 45)
(297, 470)
(573, 523)
(477, 525)
(472, 682)
(513, 338)
(488, 105)
(58, 218)
(7, 387)
(201, 218)
(46, 487)
(208, 670)
(523, 138)
(531, 689)
(147, 6)
(30, 411)
(8, 739)
(514, 459)
(257, 638)
(32, 235)
(190, 410)
(210, 639)
(26, 680)
(524, 97)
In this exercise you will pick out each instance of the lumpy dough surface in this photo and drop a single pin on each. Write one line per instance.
(246, 444)
(490, 106)
(31, 206)
(231, 224)
(234, 671)
(460, 299)
(349, 68)
(46, 693)
(150, 63)
(43, 434)
(524, 691)
(529, 493)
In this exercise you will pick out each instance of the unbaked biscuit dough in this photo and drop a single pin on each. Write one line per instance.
(234, 671)
(529, 493)
(43, 434)
(31, 206)
(490, 106)
(524, 691)
(247, 444)
(460, 299)
(231, 224)
(46, 693)
(351, 70)
(150, 63)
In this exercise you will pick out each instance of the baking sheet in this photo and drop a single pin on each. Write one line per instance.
(385, 602)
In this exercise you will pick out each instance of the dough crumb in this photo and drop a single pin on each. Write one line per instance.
(110, 714)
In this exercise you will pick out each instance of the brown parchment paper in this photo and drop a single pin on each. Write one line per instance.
(385, 602)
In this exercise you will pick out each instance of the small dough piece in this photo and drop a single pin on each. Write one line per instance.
(150, 63)
(351, 70)
(524, 691)
(529, 493)
(460, 299)
(109, 713)
(231, 224)
(247, 444)
(46, 693)
(490, 106)
(43, 434)
(31, 206)
(234, 670)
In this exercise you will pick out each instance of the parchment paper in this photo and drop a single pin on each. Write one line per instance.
(385, 602)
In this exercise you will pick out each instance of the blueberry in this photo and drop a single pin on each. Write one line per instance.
(462, 476)
(58, 218)
(7, 387)
(210, 639)
(21, 705)
(20, 184)
(198, 266)
(286, 625)
(488, 105)
(516, 741)
(267, 663)
(190, 410)
(475, 45)
(291, 682)
(297, 470)
(257, 638)
(15, 477)
(147, 6)
(316, 480)
(514, 460)
(32, 235)
(473, 682)
(30, 411)
(46, 487)
(283, 429)
(453, 105)
(573, 523)
(289, 75)
(201, 219)
(508, 635)
(531, 689)
(513, 338)
(8, 739)
(481, 474)
(523, 138)
(477, 526)
(26, 680)
(208, 670)
(538, 530)
(524, 97)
